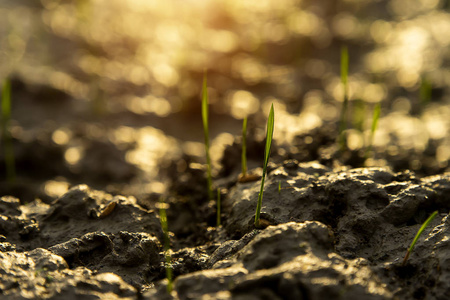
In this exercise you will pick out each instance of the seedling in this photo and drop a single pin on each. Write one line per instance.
(373, 128)
(6, 135)
(422, 228)
(425, 91)
(344, 80)
(218, 207)
(359, 114)
(279, 187)
(269, 135)
(168, 259)
(206, 132)
(244, 147)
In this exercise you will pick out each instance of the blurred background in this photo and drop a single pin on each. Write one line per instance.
(107, 92)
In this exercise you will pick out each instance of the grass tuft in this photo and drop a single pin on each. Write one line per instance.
(416, 238)
(168, 258)
(344, 80)
(206, 132)
(244, 148)
(269, 136)
(6, 135)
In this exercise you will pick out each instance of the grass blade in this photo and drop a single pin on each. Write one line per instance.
(373, 128)
(244, 147)
(269, 136)
(359, 114)
(425, 91)
(344, 80)
(168, 259)
(6, 135)
(206, 132)
(419, 233)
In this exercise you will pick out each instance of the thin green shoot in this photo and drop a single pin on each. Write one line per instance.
(206, 132)
(269, 136)
(244, 147)
(422, 228)
(425, 91)
(279, 187)
(218, 207)
(359, 114)
(6, 135)
(344, 80)
(168, 258)
(373, 128)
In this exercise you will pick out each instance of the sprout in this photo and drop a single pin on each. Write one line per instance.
(344, 81)
(422, 228)
(206, 132)
(425, 91)
(269, 135)
(375, 118)
(165, 227)
(244, 147)
(6, 135)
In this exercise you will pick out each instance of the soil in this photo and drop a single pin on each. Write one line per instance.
(339, 233)
(336, 232)
(94, 155)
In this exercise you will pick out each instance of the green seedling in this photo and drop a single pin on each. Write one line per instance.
(422, 228)
(279, 187)
(359, 114)
(244, 147)
(373, 128)
(6, 134)
(269, 135)
(425, 91)
(344, 80)
(218, 207)
(206, 132)
(168, 259)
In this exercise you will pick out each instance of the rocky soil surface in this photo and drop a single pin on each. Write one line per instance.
(329, 234)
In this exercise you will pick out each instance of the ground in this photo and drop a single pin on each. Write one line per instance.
(106, 123)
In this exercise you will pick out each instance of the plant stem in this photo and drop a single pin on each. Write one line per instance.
(6, 134)
(344, 81)
(425, 91)
(206, 133)
(269, 135)
(259, 205)
(244, 147)
(375, 118)
(168, 259)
